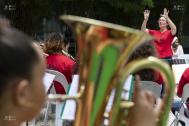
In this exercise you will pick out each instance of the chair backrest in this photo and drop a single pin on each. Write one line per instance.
(152, 86)
(182, 116)
(185, 93)
(48, 80)
(69, 110)
(60, 78)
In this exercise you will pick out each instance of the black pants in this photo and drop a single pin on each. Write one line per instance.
(168, 60)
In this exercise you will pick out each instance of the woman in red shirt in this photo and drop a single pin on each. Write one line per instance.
(55, 46)
(163, 37)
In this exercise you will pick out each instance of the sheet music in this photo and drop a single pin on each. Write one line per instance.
(127, 86)
(70, 105)
(125, 94)
(47, 80)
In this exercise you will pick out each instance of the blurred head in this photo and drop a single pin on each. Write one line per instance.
(141, 52)
(175, 43)
(162, 22)
(21, 75)
(55, 43)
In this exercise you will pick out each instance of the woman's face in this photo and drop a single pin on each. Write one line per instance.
(162, 22)
(176, 43)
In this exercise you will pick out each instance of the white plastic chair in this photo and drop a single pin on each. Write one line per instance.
(68, 113)
(62, 80)
(152, 86)
(180, 117)
(59, 78)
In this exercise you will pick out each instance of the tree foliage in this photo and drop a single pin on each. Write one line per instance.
(124, 12)
(130, 5)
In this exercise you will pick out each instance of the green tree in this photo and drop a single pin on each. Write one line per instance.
(124, 12)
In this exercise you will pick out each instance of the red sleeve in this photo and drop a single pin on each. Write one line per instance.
(184, 80)
(151, 32)
(170, 36)
(158, 78)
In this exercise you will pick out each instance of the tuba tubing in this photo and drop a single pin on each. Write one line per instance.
(163, 108)
(103, 50)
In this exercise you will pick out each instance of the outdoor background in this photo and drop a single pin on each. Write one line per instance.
(40, 17)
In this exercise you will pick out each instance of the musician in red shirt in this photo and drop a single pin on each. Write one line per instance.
(163, 37)
(55, 46)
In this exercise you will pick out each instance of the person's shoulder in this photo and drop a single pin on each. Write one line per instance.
(55, 55)
(187, 70)
(153, 31)
(169, 31)
(186, 73)
(69, 60)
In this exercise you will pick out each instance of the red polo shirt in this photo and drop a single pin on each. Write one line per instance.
(63, 64)
(162, 42)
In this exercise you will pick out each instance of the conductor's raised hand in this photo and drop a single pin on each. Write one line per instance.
(166, 12)
(146, 14)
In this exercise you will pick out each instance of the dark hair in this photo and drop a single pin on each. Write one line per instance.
(17, 56)
(144, 51)
(55, 43)
(175, 45)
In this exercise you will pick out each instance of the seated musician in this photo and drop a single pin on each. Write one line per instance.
(57, 60)
(183, 81)
(177, 48)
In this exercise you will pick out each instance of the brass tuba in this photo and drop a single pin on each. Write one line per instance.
(103, 51)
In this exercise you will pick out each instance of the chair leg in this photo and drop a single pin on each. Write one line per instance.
(46, 114)
(58, 120)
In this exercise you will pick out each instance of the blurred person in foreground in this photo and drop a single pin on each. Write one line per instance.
(143, 113)
(22, 69)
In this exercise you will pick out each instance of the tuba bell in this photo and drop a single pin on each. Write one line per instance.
(103, 50)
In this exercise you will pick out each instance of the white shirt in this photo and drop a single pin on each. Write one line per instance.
(179, 51)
